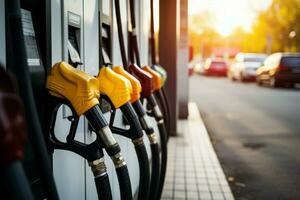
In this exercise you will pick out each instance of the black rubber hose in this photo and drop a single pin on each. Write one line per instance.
(98, 122)
(165, 99)
(120, 34)
(134, 38)
(160, 96)
(162, 105)
(124, 183)
(137, 137)
(155, 171)
(155, 165)
(14, 182)
(16, 51)
(103, 187)
(164, 156)
(144, 183)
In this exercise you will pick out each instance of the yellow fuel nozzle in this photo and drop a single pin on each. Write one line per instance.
(136, 85)
(115, 86)
(79, 88)
(157, 83)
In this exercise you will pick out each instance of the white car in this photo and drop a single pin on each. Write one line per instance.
(245, 65)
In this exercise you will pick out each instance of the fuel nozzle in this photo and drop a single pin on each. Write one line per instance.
(145, 79)
(157, 82)
(82, 92)
(162, 72)
(119, 90)
(80, 89)
(116, 87)
(135, 84)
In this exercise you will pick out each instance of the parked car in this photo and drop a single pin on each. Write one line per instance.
(245, 65)
(196, 65)
(215, 67)
(279, 69)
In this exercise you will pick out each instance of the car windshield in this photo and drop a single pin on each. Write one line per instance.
(291, 61)
(254, 59)
(218, 63)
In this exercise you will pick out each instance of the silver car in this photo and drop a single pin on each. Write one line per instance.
(245, 65)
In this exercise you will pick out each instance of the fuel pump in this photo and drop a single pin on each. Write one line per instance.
(17, 62)
(148, 88)
(14, 184)
(81, 92)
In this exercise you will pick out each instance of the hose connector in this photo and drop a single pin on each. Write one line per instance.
(138, 141)
(118, 160)
(152, 138)
(98, 167)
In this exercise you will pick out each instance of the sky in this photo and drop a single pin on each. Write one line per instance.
(230, 14)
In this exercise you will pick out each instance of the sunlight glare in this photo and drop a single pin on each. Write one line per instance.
(229, 14)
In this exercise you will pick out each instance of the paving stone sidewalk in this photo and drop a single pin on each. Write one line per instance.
(194, 171)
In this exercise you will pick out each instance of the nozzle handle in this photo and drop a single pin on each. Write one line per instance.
(104, 134)
(155, 108)
(136, 130)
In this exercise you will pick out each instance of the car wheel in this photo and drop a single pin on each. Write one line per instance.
(274, 82)
(258, 81)
(242, 78)
(232, 77)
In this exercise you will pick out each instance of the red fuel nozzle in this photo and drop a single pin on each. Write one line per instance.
(145, 79)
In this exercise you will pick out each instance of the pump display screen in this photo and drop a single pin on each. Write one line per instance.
(33, 58)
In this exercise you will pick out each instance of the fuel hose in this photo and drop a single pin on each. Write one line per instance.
(17, 63)
(137, 139)
(154, 146)
(100, 126)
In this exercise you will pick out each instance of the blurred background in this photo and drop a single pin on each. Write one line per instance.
(244, 76)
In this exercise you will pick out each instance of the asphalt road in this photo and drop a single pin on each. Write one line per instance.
(256, 134)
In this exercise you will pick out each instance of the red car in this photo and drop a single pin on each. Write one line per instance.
(216, 67)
